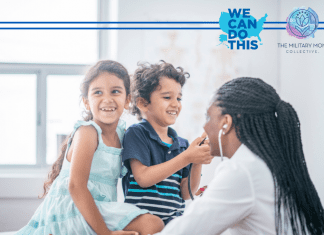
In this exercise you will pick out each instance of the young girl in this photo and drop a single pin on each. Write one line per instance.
(157, 158)
(82, 198)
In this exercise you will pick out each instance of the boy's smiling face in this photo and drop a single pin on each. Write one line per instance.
(165, 104)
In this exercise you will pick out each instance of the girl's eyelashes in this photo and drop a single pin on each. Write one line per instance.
(168, 98)
(113, 92)
(116, 91)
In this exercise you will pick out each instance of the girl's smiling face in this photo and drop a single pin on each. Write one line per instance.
(165, 103)
(106, 98)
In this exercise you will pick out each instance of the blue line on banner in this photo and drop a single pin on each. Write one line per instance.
(283, 22)
(120, 28)
(128, 22)
(274, 28)
(108, 28)
(109, 22)
(275, 22)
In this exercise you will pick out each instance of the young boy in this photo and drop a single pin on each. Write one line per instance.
(156, 157)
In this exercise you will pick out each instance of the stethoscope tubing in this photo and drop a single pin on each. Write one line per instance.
(189, 187)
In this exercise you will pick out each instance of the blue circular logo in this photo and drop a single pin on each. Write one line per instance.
(302, 23)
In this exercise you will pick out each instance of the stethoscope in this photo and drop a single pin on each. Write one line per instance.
(221, 153)
(189, 187)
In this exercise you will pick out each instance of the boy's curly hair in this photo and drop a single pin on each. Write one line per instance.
(146, 79)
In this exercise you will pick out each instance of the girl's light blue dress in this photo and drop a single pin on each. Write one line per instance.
(58, 215)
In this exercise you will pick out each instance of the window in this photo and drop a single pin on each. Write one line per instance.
(63, 109)
(40, 75)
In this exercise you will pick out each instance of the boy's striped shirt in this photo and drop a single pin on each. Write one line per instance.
(162, 199)
(141, 142)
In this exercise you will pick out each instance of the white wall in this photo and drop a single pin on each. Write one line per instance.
(297, 77)
(16, 212)
(19, 191)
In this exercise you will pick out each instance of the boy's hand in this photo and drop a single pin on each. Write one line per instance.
(199, 154)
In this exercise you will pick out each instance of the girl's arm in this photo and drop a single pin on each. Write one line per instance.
(85, 142)
(146, 176)
(194, 182)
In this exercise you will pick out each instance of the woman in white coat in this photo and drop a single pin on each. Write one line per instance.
(264, 187)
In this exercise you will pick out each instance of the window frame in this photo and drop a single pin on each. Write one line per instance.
(42, 71)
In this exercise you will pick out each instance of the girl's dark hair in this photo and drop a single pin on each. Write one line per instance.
(270, 128)
(104, 66)
(146, 79)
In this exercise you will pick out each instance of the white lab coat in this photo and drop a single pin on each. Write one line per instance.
(240, 198)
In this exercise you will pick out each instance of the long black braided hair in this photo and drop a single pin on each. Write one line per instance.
(270, 128)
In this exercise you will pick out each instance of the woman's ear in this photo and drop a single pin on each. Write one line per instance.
(86, 103)
(227, 123)
(142, 103)
(128, 99)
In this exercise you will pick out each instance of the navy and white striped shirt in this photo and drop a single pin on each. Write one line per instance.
(163, 199)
